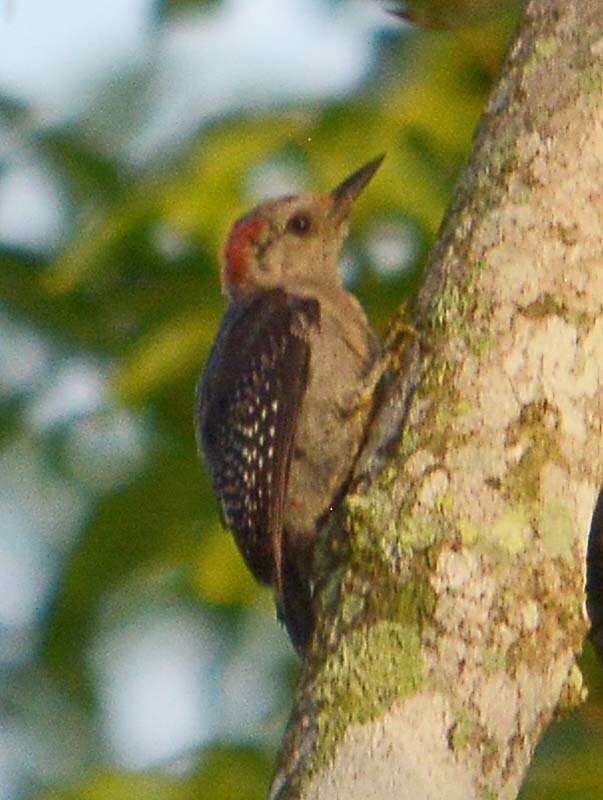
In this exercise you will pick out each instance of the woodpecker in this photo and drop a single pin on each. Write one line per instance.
(283, 401)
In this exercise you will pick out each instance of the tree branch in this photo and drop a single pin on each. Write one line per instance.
(452, 606)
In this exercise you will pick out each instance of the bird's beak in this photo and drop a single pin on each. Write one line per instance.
(342, 196)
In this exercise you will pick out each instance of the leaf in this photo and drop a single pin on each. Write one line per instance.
(220, 575)
(90, 173)
(225, 773)
(165, 9)
(450, 14)
(100, 785)
(233, 773)
(164, 355)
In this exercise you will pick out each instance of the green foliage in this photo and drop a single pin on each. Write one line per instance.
(224, 773)
(167, 8)
(449, 14)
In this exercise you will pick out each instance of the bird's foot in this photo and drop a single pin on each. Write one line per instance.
(399, 333)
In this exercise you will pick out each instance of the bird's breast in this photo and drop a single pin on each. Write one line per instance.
(331, 423)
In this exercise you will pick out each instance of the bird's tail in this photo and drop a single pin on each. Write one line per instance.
(594, 578)
(294, 606)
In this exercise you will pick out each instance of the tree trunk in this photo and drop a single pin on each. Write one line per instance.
(452, 604)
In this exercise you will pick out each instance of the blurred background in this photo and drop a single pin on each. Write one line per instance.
(137, 657)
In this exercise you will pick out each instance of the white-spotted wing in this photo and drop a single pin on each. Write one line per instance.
(248, 405)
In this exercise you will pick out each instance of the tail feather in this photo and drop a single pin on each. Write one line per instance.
(594, 578)
(294, 606)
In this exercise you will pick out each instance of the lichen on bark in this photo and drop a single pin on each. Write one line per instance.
(453, 605)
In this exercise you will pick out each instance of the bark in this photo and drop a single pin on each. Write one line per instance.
(452, 599)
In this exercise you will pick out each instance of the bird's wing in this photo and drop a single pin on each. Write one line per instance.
(249, 400)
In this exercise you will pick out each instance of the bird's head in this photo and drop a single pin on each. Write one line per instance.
(291, 241)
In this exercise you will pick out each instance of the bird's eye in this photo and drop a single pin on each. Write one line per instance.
(299, 224)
